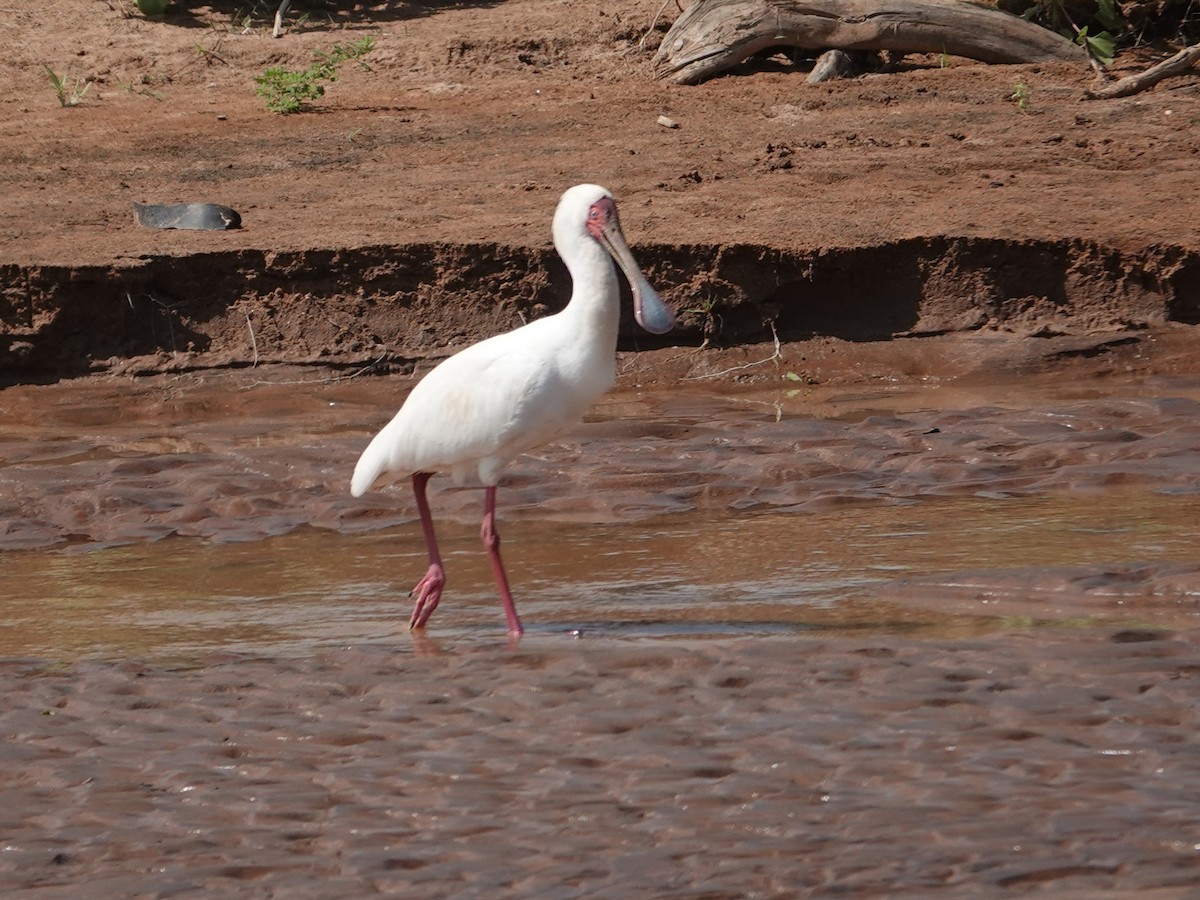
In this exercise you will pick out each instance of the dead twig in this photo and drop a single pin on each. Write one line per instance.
(168, 311)
(654, 21)
(1178, 64)
(202, 53)
(253, 341)
(774, 357)
(277, 31)
(333, 380)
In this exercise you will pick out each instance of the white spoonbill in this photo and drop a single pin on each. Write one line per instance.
(476, 411)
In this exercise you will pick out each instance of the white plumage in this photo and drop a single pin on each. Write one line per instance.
(476, 411)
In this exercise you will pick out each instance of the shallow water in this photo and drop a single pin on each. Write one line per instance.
(176, 518)
(699, 575)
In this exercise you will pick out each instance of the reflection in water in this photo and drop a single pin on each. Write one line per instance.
(706, 574)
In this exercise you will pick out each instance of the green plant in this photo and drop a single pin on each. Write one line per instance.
(240, 22)
(152, 7)
(287, 91)
(1020, 96)
(1100, 44)
(68, 94)
(803, 377)
(209, 56)
(705, 309)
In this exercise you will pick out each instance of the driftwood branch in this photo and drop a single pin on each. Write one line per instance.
(277, 31)
(713, 36)
(1133, 84)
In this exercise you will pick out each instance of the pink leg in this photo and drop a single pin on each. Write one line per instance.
(429, 588)
(491, 540)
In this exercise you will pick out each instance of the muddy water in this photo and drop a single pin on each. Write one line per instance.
(908, 641)
(186, 515)
(946, 567)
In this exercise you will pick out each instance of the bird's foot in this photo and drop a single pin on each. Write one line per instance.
(428, 592)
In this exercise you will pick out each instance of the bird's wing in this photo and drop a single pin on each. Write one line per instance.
(495, 398)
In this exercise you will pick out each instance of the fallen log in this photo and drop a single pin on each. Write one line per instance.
(1176, 65)
(713, 36)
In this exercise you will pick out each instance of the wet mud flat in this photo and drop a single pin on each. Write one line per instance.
(903, 638)
(1054, 764)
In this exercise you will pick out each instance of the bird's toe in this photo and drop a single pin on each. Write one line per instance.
(428, 592)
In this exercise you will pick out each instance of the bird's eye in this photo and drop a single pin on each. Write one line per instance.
(593, 213)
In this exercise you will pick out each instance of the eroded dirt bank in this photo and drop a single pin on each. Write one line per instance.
(393, 305)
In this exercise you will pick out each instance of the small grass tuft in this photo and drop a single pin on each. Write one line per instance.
(1020, 96)
(68, 94)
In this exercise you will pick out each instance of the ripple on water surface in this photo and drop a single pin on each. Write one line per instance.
(180, 517)
(938, 567)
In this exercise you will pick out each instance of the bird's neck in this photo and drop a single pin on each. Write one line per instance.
(595, 306)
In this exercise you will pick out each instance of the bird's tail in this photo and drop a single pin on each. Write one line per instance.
(369, 467)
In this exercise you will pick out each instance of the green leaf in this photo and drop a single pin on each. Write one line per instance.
(1103, 46)
(1109, 15)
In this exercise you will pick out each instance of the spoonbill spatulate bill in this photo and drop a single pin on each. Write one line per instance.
(477, 410)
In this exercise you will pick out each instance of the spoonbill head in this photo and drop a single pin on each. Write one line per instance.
(480, 408)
